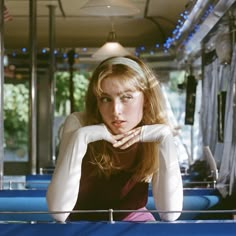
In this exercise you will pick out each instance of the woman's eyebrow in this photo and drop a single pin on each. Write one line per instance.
(127, 91)
(105, 94)
(119, 93)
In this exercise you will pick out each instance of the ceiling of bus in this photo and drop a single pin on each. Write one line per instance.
(153, 24)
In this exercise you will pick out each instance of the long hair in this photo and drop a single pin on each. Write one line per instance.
(130, 70)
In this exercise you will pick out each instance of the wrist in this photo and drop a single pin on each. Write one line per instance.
(154, 133)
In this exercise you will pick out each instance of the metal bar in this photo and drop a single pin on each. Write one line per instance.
(111, 216)
(33, 88)
(1, 93)
(234, 113)
(52, 156)
(116, 211)
(71, 61)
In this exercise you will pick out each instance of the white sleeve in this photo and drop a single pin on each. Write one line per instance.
(64, 187)
(167, 186)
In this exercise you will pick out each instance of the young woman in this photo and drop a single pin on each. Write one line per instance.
(109, 155)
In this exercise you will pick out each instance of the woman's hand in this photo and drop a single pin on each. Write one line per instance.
(127, 139)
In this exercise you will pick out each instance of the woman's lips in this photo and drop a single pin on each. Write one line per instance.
(118, 123)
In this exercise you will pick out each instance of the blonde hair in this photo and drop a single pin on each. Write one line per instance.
(130, 70)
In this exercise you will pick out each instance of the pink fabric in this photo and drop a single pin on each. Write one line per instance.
(141, 216)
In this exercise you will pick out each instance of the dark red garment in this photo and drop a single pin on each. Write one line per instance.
(118, 192)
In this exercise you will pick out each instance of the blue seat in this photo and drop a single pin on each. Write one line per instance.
(190, 203)
(18, 202)
(22, 201)
(38, 181)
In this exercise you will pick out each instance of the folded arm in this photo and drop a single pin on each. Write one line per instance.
(167, 184)
(64, 187)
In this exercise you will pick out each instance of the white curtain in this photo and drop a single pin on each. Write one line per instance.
(219, 78)
(209, 104)
(227, 174)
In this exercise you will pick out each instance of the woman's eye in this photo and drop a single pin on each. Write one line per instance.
(104, 99)
(126, 98)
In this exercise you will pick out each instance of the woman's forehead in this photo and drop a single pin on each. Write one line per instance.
(117, 83)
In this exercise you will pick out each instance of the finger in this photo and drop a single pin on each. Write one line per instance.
(123, 140)
(119, 137)
(130, 142)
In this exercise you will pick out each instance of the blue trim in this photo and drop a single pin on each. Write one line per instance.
(219, 228)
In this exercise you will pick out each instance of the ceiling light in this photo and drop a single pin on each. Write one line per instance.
(110, 48)
(109, 8)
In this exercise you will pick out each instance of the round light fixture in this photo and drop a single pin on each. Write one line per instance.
(109, 8)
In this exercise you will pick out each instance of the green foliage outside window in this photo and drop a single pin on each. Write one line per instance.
(62, 102)
(16, 107)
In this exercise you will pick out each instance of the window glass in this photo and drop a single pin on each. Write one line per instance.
(16, 109)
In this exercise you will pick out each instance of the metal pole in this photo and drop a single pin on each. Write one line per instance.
(71, 61)
(234, 113)
(52, 8)
(33, 87)
(192, 143)
(1, 94)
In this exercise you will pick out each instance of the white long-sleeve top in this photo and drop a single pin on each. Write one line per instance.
(63, 190)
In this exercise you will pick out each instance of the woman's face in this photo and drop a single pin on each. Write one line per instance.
(120, 105)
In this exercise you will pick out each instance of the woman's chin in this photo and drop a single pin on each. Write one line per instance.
(117, 131)
(121, 131)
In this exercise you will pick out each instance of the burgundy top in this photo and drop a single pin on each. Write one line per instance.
(118, 192)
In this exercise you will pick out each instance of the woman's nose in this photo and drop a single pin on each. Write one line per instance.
(117, 107)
